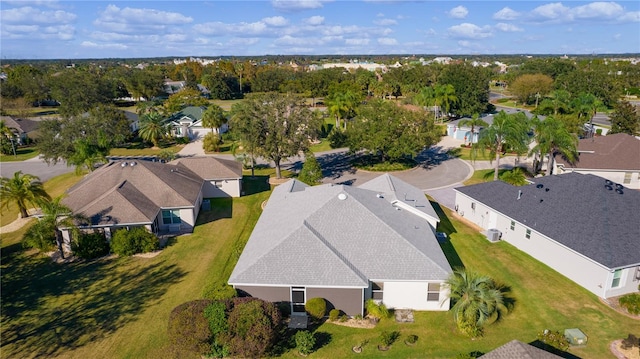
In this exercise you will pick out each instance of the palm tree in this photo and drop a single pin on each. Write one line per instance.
(552, 137)
(21, 189)
(445, 96)
(55, 216)
(559, 100)
(426, 98)
(477, 300)
(473, 122)
(214, 117)
(586, 104)
(152, 128)
(87, 155)
(507, 130)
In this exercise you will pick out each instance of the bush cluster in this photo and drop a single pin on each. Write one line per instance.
(334, 314)
(135, 240)
(90, 245)
(631, 302)
(189, 331)
(305, 341)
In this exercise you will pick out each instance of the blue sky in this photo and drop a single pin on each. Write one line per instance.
(41, 29)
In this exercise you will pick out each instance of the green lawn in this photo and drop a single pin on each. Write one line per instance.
(119, 308)
(22, 153)
(148, 151)
(465, 153)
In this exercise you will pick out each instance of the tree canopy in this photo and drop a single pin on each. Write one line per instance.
(625, 119)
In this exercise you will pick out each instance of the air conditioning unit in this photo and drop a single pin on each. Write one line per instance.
(493, 235)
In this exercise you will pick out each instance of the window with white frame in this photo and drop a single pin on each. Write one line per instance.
(377, 290)
(513, 225)
(617, 276)
(528, 234)
(433, 292)
(171, 216)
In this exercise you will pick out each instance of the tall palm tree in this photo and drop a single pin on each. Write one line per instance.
(506, 131)
(445, 96)
(21, 189)
(586, 104)
(559, 100)
(152, 128)
(477, 300)
(56, 216)
(552, 137)
(425, 98)
(214, 117)
(473, 122)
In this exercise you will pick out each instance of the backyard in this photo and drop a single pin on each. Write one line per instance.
(119, 307)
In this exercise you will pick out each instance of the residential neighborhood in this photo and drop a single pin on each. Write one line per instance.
(277, 207)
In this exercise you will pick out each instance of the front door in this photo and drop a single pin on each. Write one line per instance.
(298, 299)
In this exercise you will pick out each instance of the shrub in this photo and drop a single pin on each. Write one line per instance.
(135, 240)
(284, 308)
(305, 341)
(387, 338)
(334, 314)
(167, 155)
(412, 338)
(90, 245)
(337, 138)
(631, 302)
(182, 140)
(358, 317)
(211, 142)
(376, 310)
(216, 315)
(219, 291)
(316, 307)
(311, 172)
(188, 329)
(553, 339)
(253, 325)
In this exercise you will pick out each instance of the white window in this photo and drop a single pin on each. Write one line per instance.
(617, 275)
(171, 216)
(513, 225)
(433, 292)
(377, 290)
(528, 234)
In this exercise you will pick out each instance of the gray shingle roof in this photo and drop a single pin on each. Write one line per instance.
(575, 210)
(337, 235)
(120, 192)
(516, 349)
(211, 168)
(613, 152)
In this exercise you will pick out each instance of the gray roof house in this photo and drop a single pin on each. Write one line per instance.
(583, 226)
(614, 157)
(163, 197)
(346, 244)
(188, 123)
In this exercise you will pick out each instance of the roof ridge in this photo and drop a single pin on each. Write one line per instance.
(115, 189)
(335, 251)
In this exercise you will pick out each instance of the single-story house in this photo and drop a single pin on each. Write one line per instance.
(346, 244)
(583, 226)
(614, 157)
(22, 128)
(463, 132)
(163, 197)
(188, 123)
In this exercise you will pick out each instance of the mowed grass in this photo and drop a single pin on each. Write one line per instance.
(119, 308)
(22, 154)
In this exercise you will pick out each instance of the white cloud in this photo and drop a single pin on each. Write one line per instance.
(633, 16)
(506, 14)
(218, 28)
(504, 27)
(276, 21)
(142, 16)
(357, 42)
(314, 20)
(385, 22)
(600, 10)
(459, 12)
(551, 11)
(387, 41)
(47, 3)
(296, 5)
(110, 46)
(470, 31)
(30, 15)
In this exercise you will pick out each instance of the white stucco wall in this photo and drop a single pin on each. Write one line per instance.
(612, 175)
(591, 275)
(629, 282)
(187, 218)
(222, 188)
(413, 295)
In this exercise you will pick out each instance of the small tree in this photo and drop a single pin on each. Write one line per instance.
(211, 142)
(135, 240)
(305, 341)
(376, 310)
(316, 307)
(311, 172)
(253, 325)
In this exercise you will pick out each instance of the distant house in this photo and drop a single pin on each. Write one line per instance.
(188, 123)
(614, 157)
(23, 129)
(463, 132)
(163, 197)
(583, 226)
(347, 245)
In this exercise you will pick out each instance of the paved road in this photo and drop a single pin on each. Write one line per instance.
(34, 166)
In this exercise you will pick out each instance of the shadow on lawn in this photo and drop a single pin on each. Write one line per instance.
(49, 308)
(220, 208)
(447, 227)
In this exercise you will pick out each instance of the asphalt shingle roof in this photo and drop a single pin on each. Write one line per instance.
(211, 168)
(337, 235)
(612, 152)
(574, 209)
(516, 349)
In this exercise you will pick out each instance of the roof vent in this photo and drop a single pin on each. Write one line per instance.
(608, 186)
(133, 163)
(539, 185)
(123, 164)
(608, 182)
(342, 196)
(619, 186)
(379, 195)
(619, 191)
(546, 189)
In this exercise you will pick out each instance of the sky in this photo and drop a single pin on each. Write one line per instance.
(41, 29)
